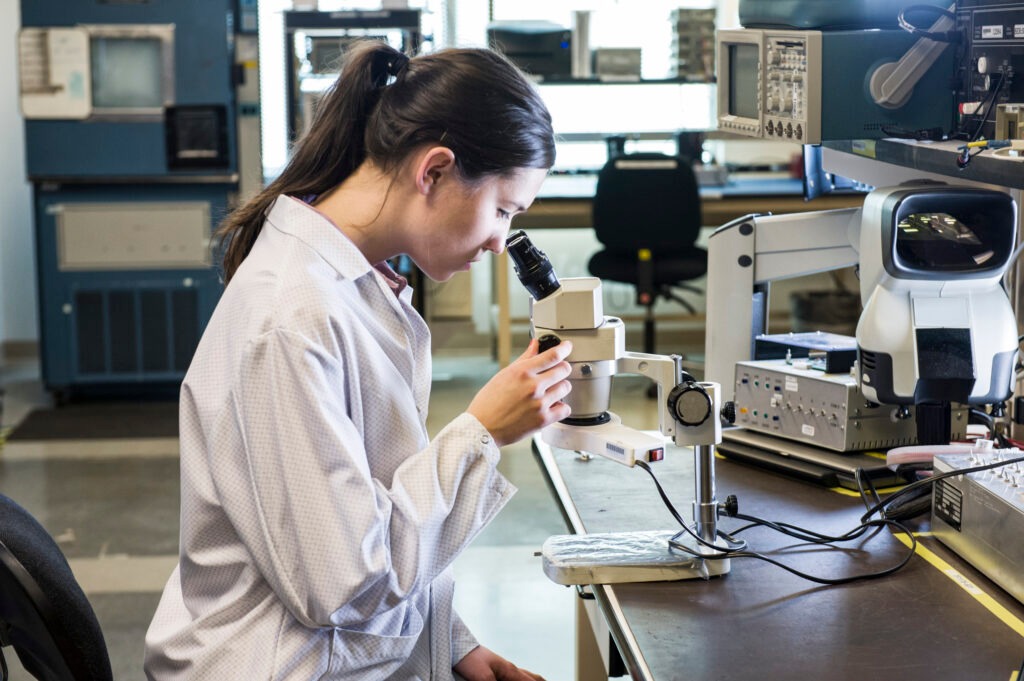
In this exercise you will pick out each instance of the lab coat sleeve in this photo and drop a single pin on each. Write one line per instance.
(337, 546)
(463, 640)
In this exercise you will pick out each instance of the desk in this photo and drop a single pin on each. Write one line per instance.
(565, 202)
(761, 622)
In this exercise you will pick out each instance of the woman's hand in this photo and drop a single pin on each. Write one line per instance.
(483, 665)
(526, 395)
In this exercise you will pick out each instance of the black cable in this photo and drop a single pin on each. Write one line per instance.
(944, 37)
(800, 533)
(984, 418)
(739, 550)
(965, 156)
(994, 96)
(921, 134)
(988, 420)
(858, 476)
(911, 506)
(912, 487)
(725, 554)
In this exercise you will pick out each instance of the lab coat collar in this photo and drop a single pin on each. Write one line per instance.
(301, 220)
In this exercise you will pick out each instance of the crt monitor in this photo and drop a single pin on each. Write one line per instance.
(132, 68)
(738, 59)
(742, 82)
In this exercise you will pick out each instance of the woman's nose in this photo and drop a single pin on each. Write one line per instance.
(496, 245)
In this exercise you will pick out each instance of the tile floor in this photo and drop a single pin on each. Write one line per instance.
(113, 508)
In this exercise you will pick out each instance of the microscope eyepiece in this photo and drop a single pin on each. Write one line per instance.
(532, 267)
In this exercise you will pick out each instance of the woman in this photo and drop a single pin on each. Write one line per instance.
(318, 520)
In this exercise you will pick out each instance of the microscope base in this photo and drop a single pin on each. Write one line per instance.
(619, 557)
(611, 440)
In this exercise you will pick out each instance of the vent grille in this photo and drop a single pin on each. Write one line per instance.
(135, 333)
(867, 360)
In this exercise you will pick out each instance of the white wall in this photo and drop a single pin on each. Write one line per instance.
(18, 317)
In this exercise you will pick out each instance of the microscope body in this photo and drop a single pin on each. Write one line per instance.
(937, 324)
(575, 312)
(688, 411)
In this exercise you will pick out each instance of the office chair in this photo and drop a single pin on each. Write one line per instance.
(44, 615)
(647, 216)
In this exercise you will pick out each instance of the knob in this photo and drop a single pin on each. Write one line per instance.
(729, 412)
(731, 506)
(690, 403)
(548, 341)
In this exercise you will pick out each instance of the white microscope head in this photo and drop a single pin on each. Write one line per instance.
(929, 235)
(937, 325)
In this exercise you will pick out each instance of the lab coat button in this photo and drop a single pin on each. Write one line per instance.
(486, 439)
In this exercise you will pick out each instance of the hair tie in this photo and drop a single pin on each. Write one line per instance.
(397, 64)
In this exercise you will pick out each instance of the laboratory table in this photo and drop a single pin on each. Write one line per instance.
(936, 619)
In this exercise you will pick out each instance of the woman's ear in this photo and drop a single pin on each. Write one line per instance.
(435, 165)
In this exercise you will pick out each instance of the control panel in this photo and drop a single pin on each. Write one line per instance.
(788, 99)
(827, 410)
(992, 57)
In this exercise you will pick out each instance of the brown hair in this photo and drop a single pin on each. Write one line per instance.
(473, 101)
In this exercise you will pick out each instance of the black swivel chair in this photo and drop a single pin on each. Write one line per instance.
(44, 615)
(647, 216)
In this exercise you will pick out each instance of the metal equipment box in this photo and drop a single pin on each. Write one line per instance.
(981, 515)
(826, 410)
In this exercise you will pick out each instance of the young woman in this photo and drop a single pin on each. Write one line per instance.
(318, 519)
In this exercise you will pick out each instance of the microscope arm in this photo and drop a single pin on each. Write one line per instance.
(666, 371)
(747, 254)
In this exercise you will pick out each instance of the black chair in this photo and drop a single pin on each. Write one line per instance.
(647, 216)
(44, 615)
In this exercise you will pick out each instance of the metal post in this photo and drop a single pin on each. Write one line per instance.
(705, 508)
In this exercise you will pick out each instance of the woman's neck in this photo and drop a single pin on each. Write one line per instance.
(362, 208)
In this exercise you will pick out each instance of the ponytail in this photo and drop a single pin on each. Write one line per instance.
(332, 149)
(384, 105)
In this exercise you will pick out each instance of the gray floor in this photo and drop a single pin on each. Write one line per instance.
(113, 508)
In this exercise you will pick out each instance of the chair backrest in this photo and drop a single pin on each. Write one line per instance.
(647, 200)
(44, 614)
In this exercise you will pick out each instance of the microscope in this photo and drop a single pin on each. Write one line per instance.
(688, 410)
(937, 327)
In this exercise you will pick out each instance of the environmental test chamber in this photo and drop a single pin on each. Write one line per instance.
(141, 130)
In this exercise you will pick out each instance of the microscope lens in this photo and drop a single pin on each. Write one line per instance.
(532, 267)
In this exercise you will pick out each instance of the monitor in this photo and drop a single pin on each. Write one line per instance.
(742, 81)
(739, 81)
(132, 69)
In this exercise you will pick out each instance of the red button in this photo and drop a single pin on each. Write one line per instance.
(656, 455)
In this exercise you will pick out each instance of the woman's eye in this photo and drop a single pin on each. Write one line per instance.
(504, 214)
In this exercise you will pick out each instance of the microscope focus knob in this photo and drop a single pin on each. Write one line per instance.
(548, 340)
(729, 412)
(690, 403)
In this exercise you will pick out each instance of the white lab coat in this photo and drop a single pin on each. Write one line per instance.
(318, 521)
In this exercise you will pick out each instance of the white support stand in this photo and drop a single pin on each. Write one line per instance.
(746, 255)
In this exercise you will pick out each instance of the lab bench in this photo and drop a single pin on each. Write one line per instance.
(936, 618)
